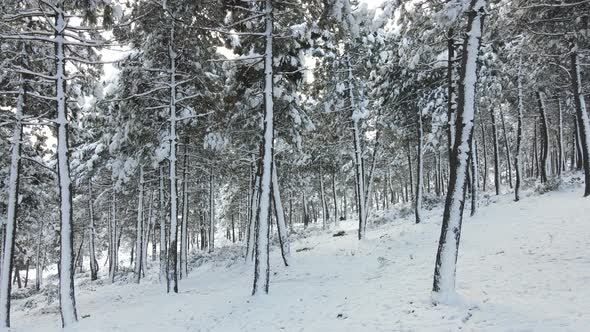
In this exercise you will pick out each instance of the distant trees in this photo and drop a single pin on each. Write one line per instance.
(220, 122)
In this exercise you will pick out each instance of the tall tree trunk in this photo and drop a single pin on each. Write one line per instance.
(582, 115)
(184, 225)
(419, 171)
(211, 210)
(536, 150)
(518, 155)
(544, 136)
(253, 208)
(280, 217)
(578, 140)
(113, 258)
(446, 258)
(507, 148)
(12, 207)
(325, 213)
(67, 298)
(261, 258)
(485, 157)
(358, 159)
(91, 233)
(38, 259)
(139, 229)
(496, 154)
(410, 170)
(371, 177)
(336, 221)
(560, 151)
(451, 105)
(147, 229)
(172, 267)
(474, 175)
(162, 218)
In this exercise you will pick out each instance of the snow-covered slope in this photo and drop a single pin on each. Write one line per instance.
(522, 267)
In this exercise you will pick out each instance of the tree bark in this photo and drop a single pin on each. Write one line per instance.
(261, 258)
(544, 136)
(507, 148)
(582, 116)
(419, 171)
(518, 166)
(446, 258)
(496, 152)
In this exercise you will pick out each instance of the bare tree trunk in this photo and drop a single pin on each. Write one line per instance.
(325, 214)
(446, 258)
(419, 171)
(162, 217)
(12, 208)
(336, 221)
(261, 257)
(485, 157)
(507, 148)
(544, 136)
(66, 259)
(518, 166)
(184, 224)
(496, 154)
(560, 153)
(474, 175)
(211, 210)
(38, 263)
(582, 116)
(139, 229)
(280, 217)
(113, 258)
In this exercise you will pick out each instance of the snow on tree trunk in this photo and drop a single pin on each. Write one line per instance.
(544, 136)
(147, 229)
(446, 258)
(113, 247)
(410, 170)
(325, 216)
(280, 216)
(485, 157)
(162, 217)
(183, 228)
(139, 229)
(336, 221)
(66, 259)
(91, 235)
(496, 152)
(582, 116)
(474, 175)
(261, 258)
(358, 154)
(39, 258)
(211, 211)
(252, 221)
(507, 148)
(560, 156)
(419, 171)
(518, 153)
(369, 186)
(451, 105)
(10, 226)
(172, 275)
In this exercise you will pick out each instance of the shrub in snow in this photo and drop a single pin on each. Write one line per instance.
(552, 184)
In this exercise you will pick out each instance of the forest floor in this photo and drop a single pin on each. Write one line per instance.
(522, 267)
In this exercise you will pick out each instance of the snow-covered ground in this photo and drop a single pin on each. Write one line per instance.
(522, 267)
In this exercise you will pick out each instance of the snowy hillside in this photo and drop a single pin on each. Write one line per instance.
(522, 267)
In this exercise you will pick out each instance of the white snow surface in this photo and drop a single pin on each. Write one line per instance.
(522, 266)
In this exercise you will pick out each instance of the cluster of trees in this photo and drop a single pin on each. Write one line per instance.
(236, 117)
